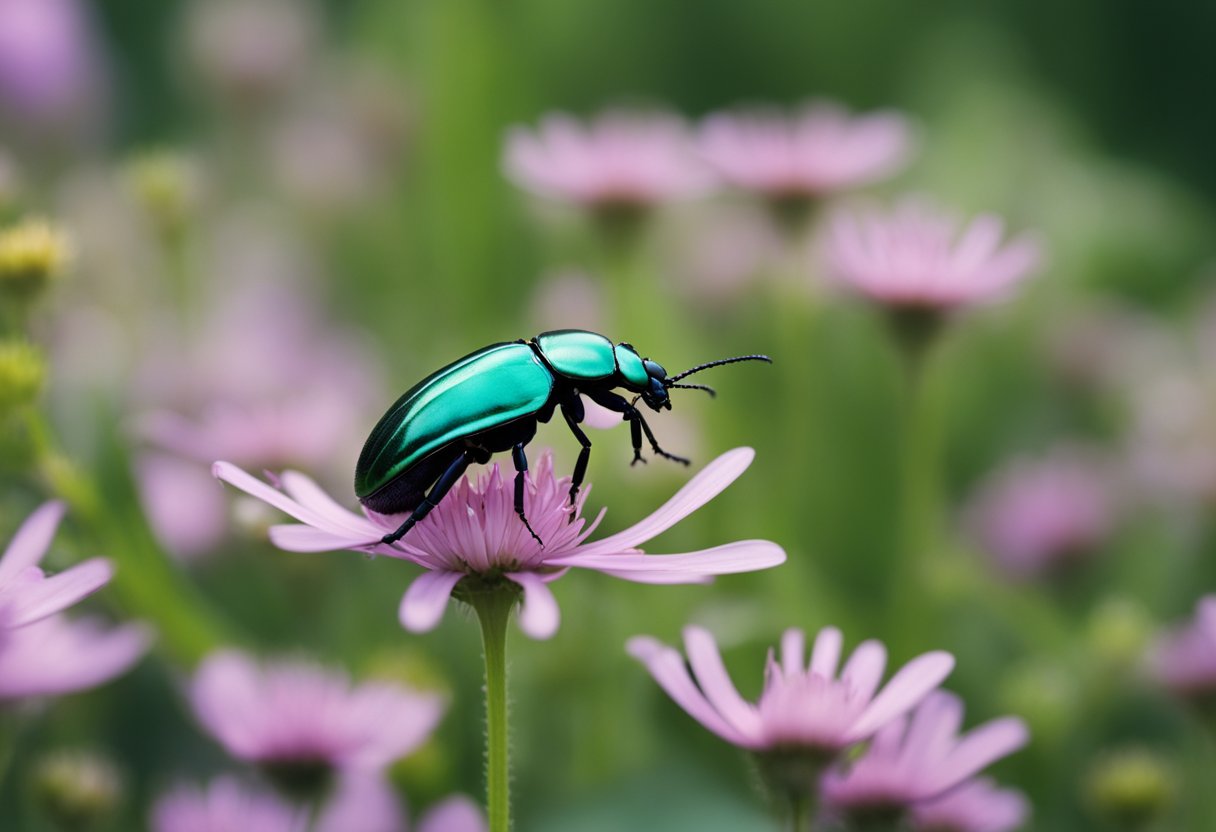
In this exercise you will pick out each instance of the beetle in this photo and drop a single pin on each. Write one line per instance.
(491, 401)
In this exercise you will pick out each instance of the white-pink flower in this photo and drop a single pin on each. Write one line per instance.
(916, 256)
(28, 594)
(475, 531)
(295, 713)
(976, 806)
(617, 159)
(1184, 660)
(817, 151)
(919, 758)
(225, 806)
(56, 656)
(810, 707)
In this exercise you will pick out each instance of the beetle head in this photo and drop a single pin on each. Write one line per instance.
(655, 394)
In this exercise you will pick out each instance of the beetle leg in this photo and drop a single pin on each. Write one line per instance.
(618, 403)
(580, 467)
(654, 445)
(521, 468)
(438, 491)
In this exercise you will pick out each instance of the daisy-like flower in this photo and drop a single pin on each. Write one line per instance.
(917, 258)
(27, 594)
(918, 758)
(57, 656)
(1036, 516)
(820, 150)
(619, 160)
(225, 806)
(368, 804)
(976, 806)
(302, 723)
(807, 713)
(1184, 661)
(475, 534)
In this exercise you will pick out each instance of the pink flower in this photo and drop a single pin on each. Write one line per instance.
(57, 656)
(455, 814)
(802, 706)
(976, 806)
(225, 806)
(618, 159)
(27, 594)
(918, 758)
(916, 257)
(1036, 515)
(818, 151)
(299, 714)
(1184, 661)
(475, 531)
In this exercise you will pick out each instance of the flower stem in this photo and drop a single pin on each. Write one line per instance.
(493, 604)
(801, 812)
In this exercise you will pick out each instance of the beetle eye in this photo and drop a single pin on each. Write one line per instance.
(654, 369)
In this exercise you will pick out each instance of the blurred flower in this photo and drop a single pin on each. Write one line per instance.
(168, 186)
(367, 803)
(618, 161)
(916, 258)
(50, 72)
(57, 656)
(918, 758)
(456, 814)
(302, 723)
(10, 182)
(1171, 441)
(975, 806)
(1037, 516)
(77, 789)
(568, 299)
(252, 51)
(722, 251)
(225, 806)
(1184, 660)
(475, 533)
(815, 152)
(22, 373)
(32, 253)
(806, 714)
(1132, 788)
(27, 594)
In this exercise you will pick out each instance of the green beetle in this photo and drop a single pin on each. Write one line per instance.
(491, 401)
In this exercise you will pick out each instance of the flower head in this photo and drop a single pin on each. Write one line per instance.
(803, 706)
(915, 257)
(27, 594)
(820, 150)
(918, 758)
(56, 656)
(32, 253)
(475, 533)
(976, 806)
(1036, 515)
(618, 160)
(298, 719)
(1184, 661)
(225, 806)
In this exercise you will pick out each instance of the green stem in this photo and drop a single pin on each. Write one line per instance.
(493, 603)
(801, 812)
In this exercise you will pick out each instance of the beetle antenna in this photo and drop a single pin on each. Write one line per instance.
(711, 391)
(671, 381)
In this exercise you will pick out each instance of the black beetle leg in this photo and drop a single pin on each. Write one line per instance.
(618, 403)
(521, 468)
(654, 445)
(584, 455)
(438, 491)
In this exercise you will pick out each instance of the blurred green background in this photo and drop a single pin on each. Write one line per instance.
(1091, 122)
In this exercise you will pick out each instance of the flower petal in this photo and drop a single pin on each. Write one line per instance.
(978, 749)
(707, 484)
(906, 688)
(31, 541)
(658, 577)
(715, 682)
(793, 650)
(456, 814)
(424, 602)
(539, 616)
(825, 655)
(740, 556)
(863, 670)
(50, 595)
(358, 531)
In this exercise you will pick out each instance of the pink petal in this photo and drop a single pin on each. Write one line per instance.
(368, 533)
(456, 814)
(707, 484)
(294, 537)
(793, 651)
(539, 615)
(188, 512)
(979, 748)
(426, 599)
(599, 417)
(58, 592)
(362, 802)
(740, 556)
(667, 667)
(906, 688)
(715, 683)
(32, 540)
(658, 578)
(863, 671)
(825, 655)
(307, 493)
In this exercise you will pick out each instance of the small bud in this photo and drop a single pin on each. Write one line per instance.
(168, 187)
(22, 372)
(32, 253)
(1131, 789)
(1119, 632)
(77, 790)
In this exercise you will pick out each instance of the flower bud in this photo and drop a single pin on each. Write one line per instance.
(22, 372)
(32, 253)
(1131, 789)
(167, 186)
(77, 789)
(1119, 631)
